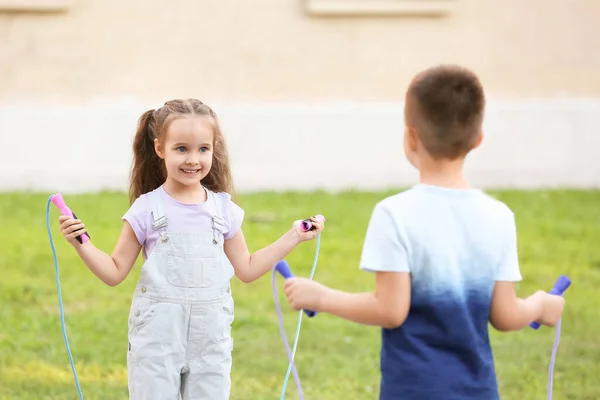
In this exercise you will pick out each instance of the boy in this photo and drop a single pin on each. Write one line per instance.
(444, 257)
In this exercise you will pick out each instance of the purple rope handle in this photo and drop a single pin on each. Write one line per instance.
(284, 336)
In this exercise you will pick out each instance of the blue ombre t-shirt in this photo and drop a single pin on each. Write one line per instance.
(456, 243)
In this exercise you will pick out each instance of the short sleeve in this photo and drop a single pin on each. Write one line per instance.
(384, 248)
(137, 216)
(235, 216)
(508, 268)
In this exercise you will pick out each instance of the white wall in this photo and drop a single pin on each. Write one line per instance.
(536, 143)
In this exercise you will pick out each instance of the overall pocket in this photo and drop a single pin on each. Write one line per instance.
(223, 315)
(141, 314)
(191, 270)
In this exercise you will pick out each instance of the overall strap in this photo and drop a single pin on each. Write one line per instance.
(158, 213)
(217, 210)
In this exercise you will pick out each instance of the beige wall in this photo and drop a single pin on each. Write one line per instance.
(240, 50)
(73, 84)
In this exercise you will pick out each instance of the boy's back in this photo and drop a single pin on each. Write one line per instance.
(455, 243)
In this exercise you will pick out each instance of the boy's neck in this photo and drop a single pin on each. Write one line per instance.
(443, 173)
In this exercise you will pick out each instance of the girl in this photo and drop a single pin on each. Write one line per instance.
(189, 228)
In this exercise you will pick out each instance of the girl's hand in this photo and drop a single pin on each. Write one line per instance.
(71, 228)
(309, 235)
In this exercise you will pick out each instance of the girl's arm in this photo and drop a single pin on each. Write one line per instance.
(249, 267)
(111, 269)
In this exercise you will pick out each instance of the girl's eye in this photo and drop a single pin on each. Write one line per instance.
(181, 149)
(203, 149)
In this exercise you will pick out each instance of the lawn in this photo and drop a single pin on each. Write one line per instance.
(559, 233)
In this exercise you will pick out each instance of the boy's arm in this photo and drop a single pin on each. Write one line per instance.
(386, 307)
(385, 254)
(509, 312)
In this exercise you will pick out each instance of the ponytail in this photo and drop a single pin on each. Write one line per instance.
(148, 170)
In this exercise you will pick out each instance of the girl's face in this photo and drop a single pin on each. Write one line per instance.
(187, 149)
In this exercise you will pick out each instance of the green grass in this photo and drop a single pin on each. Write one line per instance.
(559, 233)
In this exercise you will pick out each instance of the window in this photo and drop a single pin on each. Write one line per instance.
(365, 8)
(35, 5)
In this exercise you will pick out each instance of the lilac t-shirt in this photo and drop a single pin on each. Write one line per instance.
(181, 217)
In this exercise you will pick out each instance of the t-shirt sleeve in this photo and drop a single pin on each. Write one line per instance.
(137, 216)
(508, 267)
(385, 247)
(235, 216)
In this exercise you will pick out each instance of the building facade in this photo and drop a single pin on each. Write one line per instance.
(309, 93)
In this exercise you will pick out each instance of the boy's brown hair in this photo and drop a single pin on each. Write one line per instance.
(445, 107)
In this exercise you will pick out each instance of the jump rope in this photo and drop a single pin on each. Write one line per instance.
(283, 268)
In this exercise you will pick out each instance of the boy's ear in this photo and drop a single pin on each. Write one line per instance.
(159, 149)
(411, 138)
(478, 140)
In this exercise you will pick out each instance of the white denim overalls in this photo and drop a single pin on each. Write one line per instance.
(180, 340)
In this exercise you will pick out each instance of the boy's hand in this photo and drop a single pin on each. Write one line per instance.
(312, 234)
(552, 308)
(304, 294)
(71, 228)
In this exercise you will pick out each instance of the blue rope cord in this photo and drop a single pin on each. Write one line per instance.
(312, 273)
(60, 302)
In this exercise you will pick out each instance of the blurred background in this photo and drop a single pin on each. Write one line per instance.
(310, 98)
(309, 91)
